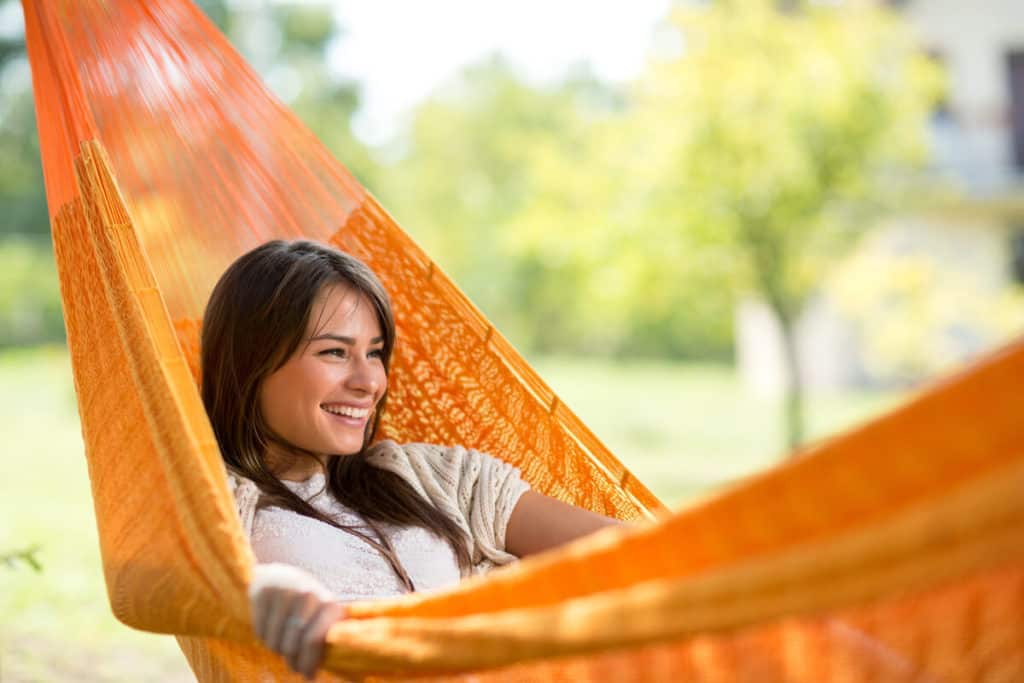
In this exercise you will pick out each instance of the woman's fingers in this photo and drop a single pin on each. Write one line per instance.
(266, 613)
(302, 611)
(279, 611)
(291, 614)
(311, 650)
(267, 581)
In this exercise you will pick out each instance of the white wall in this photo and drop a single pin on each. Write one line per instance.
(974, 37)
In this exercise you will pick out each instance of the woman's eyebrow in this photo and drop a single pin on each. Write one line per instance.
(344, 340)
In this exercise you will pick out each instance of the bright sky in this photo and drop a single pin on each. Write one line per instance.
(401, 50)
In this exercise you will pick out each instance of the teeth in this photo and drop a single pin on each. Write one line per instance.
(347, 412)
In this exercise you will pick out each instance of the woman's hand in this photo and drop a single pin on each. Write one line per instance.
(291, 614)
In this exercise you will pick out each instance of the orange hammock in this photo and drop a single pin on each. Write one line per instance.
(892, 553)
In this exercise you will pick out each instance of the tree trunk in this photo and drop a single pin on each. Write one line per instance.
(769, 258)
(794, 397)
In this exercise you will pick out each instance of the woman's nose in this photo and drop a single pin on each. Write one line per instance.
(364, 377)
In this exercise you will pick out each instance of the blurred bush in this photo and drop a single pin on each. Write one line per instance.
(30, 308)
(924, 297)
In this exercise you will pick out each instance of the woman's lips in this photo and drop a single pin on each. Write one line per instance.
(346, 420)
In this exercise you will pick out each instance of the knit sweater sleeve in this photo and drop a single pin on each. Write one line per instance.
(477, 490)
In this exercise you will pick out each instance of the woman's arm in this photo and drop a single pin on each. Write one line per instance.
(539, 523)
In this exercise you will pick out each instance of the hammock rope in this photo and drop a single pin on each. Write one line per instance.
(893, 552)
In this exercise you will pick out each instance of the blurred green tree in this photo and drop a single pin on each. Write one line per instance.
(769, 136)
(22, 196)
(324, 102)
(470, 166)
(515, 190)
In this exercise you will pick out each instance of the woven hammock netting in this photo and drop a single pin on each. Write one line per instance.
(891, 553)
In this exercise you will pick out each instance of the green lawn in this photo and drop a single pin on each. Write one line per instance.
(56, 625)
(686, 429)
(683, 429)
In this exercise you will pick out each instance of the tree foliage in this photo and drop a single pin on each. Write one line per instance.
(776, 131)
(517, 191)
(481, 158)
(22, 195)
(581, 217)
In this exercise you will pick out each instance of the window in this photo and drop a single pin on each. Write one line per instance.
(1017, 254)
(1015, 71)
(941, 110)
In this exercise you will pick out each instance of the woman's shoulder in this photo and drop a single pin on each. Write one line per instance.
(445, 464)
(419, 462)
(479, 491)
(241, 487)
(451, 468)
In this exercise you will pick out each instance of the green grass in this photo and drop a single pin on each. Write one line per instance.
(683, 429)
(686, 429)
(56, 625)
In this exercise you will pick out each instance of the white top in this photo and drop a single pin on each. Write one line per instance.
(476, 490)
(348, 566)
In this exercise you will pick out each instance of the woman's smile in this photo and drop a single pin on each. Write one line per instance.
(346, 411)
(347, 415)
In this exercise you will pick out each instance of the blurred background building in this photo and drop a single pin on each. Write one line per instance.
(938, 281)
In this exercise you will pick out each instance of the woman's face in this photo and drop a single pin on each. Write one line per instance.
(324, 396)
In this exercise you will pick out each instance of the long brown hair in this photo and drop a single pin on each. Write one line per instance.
(255, 320)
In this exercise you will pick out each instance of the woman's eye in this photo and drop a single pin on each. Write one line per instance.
(343, 353)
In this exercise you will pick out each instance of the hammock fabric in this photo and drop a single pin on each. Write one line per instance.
(892, 553)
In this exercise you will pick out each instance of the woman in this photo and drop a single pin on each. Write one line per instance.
(296, 345)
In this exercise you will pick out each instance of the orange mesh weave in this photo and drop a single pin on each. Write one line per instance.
(889, 554)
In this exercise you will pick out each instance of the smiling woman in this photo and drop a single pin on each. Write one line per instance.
(296, 348)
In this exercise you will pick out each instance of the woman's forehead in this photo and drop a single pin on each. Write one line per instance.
(338, 307)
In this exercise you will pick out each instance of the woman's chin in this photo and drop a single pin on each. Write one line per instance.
(345, 448)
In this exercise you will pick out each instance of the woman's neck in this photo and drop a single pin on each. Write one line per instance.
(289, 467)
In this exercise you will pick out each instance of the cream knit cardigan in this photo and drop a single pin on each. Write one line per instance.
(476, 490)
